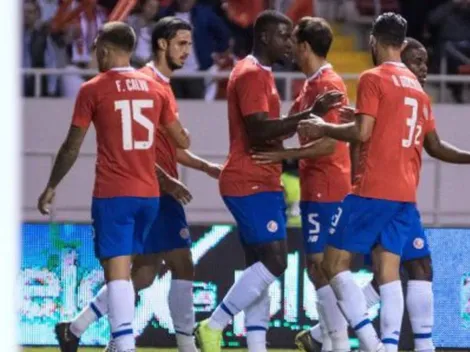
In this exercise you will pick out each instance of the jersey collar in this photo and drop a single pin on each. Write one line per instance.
(319, 72)
(157, 72)
(394, 63)
(123, 69)
(266, 68)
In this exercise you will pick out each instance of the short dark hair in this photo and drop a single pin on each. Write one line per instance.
(390, 29)
(317, 33)
(118, 34)
(267, 19)
(166, 28)
(412, 44)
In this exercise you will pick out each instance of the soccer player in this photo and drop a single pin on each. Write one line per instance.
(416, 258)
(393, 116)
(253, 192)
(324, 168)
(126, 108)
(169, 237)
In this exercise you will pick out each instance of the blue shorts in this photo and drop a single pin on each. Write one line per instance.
(361, 223)
(170, 229)
(121, 224)
(261, 217)
(316, 222)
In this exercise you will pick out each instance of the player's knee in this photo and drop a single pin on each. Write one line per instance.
(276, 263)
(316, 273)
(181, 264)
(117, 268)
(144, 270)
(335, 262)
(143, 276)
(419, 269)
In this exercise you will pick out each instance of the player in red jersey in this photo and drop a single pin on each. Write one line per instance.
(169, 237)
(416, 257)
(253, 192)
(324, 168)
(126, 108)
(393, 116)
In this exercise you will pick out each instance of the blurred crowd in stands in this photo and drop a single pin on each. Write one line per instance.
(55, 37)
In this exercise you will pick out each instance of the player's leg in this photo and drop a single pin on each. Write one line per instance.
(417, 262)
(391, 294)
(121, 225)
(316, 221)
(392, 241)
(170, 236)
(180, 297)
(262, 224)
(420, 302)
(354, 230)
(371, 294)
(257, 314)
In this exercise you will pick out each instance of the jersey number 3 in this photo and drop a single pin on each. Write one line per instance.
(131, 110)
(414, 131)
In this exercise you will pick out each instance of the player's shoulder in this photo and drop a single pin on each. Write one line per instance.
(331, 80)
(92, 86)
(374, 73)
(147, 71)
(247, 68)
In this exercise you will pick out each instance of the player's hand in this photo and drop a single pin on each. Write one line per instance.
(346, 114)
(311, 129)
(177, 190)
(326, 101)
(213, 170)
(45, 200)
(268, 157)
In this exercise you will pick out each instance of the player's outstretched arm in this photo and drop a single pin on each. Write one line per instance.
(64, 161)
(444, 151)
(313, 150)
(261, 129)
(358, 131)
(178, 134)
(188, 159)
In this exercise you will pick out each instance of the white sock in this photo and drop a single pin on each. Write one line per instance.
(352, 303)
(334, 319)
(372, 298)
(327, 344)
(420, 305)
(91, 313)
(391, 314)
(257, 322)
(244, 292)
(121, 313)
(180, 302)
(316, 333)
(371, 295)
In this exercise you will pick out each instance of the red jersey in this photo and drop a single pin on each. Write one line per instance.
(251, 89)
(390, 161)
(126, 108)
(327, 178)
(166, 150)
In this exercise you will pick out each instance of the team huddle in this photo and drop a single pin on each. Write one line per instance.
(359, 173)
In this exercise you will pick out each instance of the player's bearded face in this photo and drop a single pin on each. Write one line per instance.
(178, 49)
(172, 63)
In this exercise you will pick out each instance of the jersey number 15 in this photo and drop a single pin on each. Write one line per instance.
(414, 131)
(131, 110)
